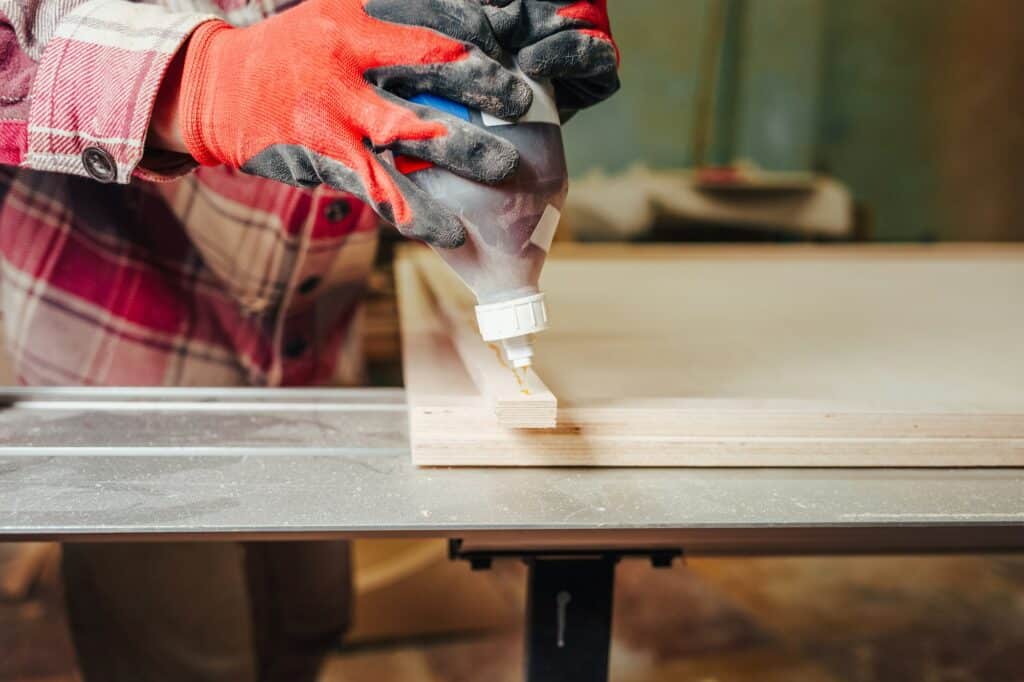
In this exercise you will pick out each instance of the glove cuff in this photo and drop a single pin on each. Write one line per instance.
(195, 108)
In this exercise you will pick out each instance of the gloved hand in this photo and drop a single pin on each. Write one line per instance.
(313, 95)
(566, 41)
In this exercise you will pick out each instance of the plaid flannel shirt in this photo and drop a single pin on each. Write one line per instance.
(112, 277)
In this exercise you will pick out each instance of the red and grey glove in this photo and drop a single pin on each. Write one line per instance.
(314, 96)
(566, 41)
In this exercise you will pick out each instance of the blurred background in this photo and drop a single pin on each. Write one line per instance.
(781, 121)
(915, 106)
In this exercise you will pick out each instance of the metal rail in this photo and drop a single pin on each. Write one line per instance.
(300, 463)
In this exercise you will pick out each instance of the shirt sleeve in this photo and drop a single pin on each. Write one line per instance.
(80, 79)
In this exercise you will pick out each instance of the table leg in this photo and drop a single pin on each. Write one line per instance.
(569, 618)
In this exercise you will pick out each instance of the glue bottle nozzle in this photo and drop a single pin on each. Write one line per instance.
(518, 351)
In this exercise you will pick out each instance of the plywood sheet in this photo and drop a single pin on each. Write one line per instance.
(725, 356)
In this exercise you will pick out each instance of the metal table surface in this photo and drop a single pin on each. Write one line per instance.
(299, 463)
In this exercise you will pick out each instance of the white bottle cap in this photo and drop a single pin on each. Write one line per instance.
(516, 317)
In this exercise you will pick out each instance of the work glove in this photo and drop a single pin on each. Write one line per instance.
(568, 42)
(314, 95)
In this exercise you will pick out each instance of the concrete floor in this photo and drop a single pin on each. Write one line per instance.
(865, 619)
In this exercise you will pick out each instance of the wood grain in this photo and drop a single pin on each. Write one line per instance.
(778, 356)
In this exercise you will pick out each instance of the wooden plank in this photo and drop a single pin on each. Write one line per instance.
(519, 398)
(777, 356)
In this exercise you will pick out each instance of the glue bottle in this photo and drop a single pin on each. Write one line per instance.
(509, 226)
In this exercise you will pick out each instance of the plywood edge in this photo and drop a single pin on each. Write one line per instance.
(415, 315)
(445, 416)
(422, 336)
(721, 452)
(518, 398)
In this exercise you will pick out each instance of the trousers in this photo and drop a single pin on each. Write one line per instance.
(205, 611)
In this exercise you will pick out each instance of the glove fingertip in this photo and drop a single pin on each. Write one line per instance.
(535, 62)
(489, 45)
(498, 161)
(443, 232)
(452, 238)
(519, 100)
(569, 55)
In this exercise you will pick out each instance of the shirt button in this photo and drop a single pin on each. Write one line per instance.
(295, 347)
(99, 164)
(309, 284)
(336, 210)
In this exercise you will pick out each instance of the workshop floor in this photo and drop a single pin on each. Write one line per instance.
(870, 619)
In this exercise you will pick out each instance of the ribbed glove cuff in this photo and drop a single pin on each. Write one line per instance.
(194, 100)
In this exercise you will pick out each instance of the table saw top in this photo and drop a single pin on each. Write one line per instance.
(302, 463)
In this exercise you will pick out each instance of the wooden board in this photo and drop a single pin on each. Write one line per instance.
(752, 356)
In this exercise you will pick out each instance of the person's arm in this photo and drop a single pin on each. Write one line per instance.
(80, 81)
(319, 94)
(16, 72)
(165, 125)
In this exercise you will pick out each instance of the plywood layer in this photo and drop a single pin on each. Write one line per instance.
(761, 356)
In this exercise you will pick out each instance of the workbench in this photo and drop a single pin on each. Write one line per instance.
(158, 464)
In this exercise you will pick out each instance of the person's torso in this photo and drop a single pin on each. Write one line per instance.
(219, 278)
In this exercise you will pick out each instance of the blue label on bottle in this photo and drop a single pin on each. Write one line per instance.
(445, 105)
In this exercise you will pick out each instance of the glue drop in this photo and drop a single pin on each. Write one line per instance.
(510, 225)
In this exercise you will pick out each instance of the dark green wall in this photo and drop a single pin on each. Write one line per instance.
(915, 104)
(875, 119)
(650, 118)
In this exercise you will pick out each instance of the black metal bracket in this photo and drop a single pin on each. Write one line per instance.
(568, 608)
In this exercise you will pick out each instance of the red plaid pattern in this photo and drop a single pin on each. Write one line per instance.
(215, 278)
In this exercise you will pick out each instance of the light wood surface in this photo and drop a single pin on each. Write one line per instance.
(773, 356)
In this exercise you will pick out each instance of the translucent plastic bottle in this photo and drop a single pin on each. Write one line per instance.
(509, 226)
